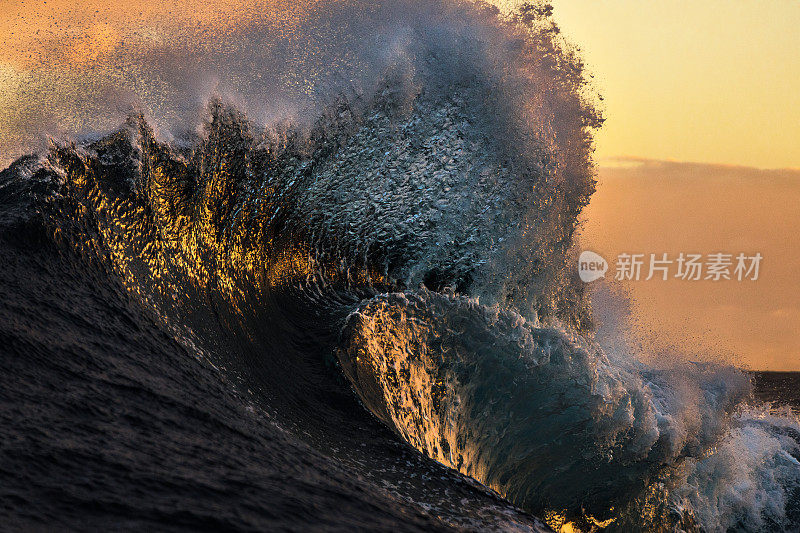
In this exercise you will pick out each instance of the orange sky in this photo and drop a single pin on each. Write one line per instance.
(713, 81)
(57, 57)
(666, 207)
(716, 82)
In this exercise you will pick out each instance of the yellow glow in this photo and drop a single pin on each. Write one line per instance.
(713, 81)
(98, 40)
(9, 81)
(35, 33)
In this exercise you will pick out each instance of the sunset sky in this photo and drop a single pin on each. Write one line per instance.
(700, 97)
(711, 81)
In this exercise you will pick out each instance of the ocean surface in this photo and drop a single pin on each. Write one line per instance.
(366, 318)
(778, 388)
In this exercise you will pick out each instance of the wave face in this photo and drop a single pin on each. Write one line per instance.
(549, 420)
(417, 236)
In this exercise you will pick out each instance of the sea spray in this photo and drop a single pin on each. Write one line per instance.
(421, 211)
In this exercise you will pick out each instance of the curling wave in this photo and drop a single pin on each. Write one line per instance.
(417, 235)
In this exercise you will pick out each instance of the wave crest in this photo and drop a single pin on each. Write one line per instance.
(553, 423)
(434, 207)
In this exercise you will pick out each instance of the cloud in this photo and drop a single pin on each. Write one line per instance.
(652, 206)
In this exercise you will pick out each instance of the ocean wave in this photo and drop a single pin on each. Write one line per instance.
(420, 230)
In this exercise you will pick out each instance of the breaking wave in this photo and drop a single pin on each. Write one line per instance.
(417, 234)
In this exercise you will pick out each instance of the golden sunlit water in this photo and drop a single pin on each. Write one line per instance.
(365, 217)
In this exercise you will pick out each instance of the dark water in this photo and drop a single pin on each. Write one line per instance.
(357, 322)
(106, 422)
(778, 388)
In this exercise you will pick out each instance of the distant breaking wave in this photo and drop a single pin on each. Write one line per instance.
(417, 235)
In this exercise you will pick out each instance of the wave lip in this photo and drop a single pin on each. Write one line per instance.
(554, 424)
